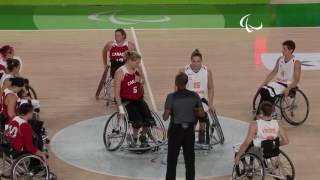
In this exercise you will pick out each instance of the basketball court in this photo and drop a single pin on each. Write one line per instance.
(63, 62)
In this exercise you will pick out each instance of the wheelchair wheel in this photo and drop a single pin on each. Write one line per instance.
(31, 92)
(283, 167)
(255, 103)
(29, 166)
(115, 132)
(107, 91)
(295, 107)
(250, 167)
(217, 126)
(157, 132)
(5, 165)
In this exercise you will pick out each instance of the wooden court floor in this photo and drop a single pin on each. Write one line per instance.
(65, 66)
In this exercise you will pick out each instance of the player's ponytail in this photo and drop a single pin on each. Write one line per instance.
(196, 52)
(12, 63)
(132, 56)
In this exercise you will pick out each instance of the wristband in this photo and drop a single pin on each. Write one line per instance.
(121, 109)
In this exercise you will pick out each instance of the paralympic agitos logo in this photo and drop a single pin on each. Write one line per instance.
(244, 23)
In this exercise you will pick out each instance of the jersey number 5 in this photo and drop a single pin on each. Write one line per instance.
(135, 89)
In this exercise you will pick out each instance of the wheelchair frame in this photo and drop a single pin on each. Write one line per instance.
(105, 83)
(279, 104)
(126, 135)
(21, 163)
(213, 131)
(268, 166)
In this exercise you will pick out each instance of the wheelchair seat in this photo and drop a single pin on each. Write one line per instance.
(270, 148)
(9, 151)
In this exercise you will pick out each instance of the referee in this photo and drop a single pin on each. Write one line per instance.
(184, 107)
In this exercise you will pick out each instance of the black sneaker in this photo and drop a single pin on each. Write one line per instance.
(201, 137)
(144, 141)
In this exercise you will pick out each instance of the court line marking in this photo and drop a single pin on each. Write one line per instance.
(144, 70)
(58, 156)
(155, 29)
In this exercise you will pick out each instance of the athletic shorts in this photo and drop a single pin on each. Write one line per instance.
(270, 91)
(139, 113)
(115, 66)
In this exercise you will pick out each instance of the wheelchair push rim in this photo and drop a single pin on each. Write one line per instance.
(282, 167)
(217, 126)
(250, 167)
(107, 92)
(295, 107)
(113, 130)
(157, 133)
(22, 168)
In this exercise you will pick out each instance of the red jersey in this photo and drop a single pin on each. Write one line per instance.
(4, 107)
(130, 89)
(117, 52)
(19, 134)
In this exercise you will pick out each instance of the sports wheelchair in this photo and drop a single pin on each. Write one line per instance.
(22, 165)
(118, 133)
(30, 90)
(294, 108)
(105, 83)
(269, 160)
(213, 133)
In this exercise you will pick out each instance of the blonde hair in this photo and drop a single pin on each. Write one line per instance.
(132, 55)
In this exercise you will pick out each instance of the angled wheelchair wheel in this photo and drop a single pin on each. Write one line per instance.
(29, 166)
(31, 92)
(216, 125)
(5, 165)
(157, 132)
(255, 103)
(101, 82)
(115, 132)
(107, 91)
(282, 167)
(295, 107)
(250, 167)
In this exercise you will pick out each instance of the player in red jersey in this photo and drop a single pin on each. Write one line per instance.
(115, 50)
(129, 82)
(9, 100)
(19, 132)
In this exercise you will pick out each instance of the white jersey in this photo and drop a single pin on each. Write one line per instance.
(285, 71)
(4, 77)
(267, 130)
(198, 81)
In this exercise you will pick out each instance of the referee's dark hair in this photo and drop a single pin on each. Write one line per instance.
(181, 79)
(17, 81)
(25, 108)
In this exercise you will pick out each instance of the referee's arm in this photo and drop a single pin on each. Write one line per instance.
(167, 108)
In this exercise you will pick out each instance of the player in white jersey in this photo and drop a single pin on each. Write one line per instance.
(286, 72)
(200, 80)
(264, 128)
